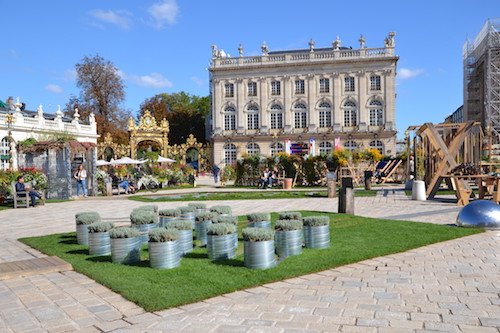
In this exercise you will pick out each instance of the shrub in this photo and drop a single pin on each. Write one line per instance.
(142, 217)
(290, 216)
(124, 232)
(87, 217)
(161, 235)
(221, 209)
(170, 212)
(221, 229)
(181, 225)
(207, 216)
(186, 209)
(316, 221)
(152, 208)
(225, 219)
(100, 227)
(288, 225)
(197, 205)
(259, 217)
(257, 234)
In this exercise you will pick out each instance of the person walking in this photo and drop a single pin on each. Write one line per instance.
(216, 171)
(81, 180)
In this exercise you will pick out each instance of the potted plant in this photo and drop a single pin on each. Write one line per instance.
(163, 248)
(99, 241)
(168, 216)
(259, 220)
(185, 240)
(231, 220)
(258, 248)
(317, 231)
(220, 241)
(187, 214)
(221, 210)
(203, 220)
(198, 207)
(290, 216)
(144, 221)
(83, 219)
(149, 208)
(125, 245)
(288, 237)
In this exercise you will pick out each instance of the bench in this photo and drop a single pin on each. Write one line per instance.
(21, 197)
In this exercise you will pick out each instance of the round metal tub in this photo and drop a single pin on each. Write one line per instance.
(165, 220)
(221, 247)
(185, 241)
(259, 255)
(201, 231)
(126, 250)
(99, 243)
(260, 224)
(188, 216)
(317, 237)
(164, 254)
(82, 234)
(288, 243)
(144, 229)
(199, 211)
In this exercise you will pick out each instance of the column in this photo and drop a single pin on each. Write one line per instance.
(240, 112)
(361, 89)
(337, 100)
(286, 92)
(262, 92)
(216, 105)
(312, 116)
(389, 99)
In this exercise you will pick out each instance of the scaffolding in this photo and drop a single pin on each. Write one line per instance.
(481, 59)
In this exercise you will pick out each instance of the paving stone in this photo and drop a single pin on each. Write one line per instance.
(494, 322)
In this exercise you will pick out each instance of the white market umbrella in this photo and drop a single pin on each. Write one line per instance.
(126, 160)
(162, 159)
(102, 163)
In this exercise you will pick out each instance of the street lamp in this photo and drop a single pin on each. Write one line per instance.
(9, 121)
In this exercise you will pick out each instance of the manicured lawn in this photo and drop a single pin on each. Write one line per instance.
(352, 239)
(254, 195)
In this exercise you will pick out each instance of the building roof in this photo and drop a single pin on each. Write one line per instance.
(33, 114)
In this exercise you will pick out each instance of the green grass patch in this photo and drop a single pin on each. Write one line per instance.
(253, 195)
(353, 239)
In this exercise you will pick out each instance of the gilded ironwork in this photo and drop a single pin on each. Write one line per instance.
(148, 130)
(118, 150)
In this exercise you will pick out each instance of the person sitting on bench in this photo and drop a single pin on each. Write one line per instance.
(20, 187)
(264, 180)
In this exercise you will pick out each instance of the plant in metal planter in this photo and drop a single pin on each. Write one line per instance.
(148, 208)
(83, 219)
(144, 221)
(168, 215)
(231, 220)
(258, 248)
(125, 245)
(198, 207)
(317, 231)
(185, 241)
(259, 220)
(163, 248)
(187, 214)
(99, 241)
(290, 216)
(221, 210)
(220, 241)
(288, 237)
(203, 220)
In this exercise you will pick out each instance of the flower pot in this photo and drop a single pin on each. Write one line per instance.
(82, 234)
(235, 241)
(144, 229)
(188, 216)
(287, 183)
(185, 241)
(165, 220)
(201, 231)
(288, 243)
(259, 224)
(259, 255)
(418, 191)
(164, 254)
(126, 250)
(317, 237)
(221, 247)
(99, 243)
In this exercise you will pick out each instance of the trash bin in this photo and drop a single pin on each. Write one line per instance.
(347, 182)
(331, 183)
(368, 180)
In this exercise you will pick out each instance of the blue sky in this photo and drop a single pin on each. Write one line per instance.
(164, 45)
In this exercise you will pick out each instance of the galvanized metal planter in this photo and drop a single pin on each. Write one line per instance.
(235, 241)
(82, 234)
(221, 247)
(198, 211)
(259, 224)
(259, 255)
(99, 243)
(185, 241)
(165, 220)
(288, 243)
(201, 231)
(144, 229)
(126, 250)
(188, 216)
(164, 254)
(317, 237)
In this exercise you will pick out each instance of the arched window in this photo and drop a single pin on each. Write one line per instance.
(5, 153)
(229, 153)
(276, 148)
(276, 116)
(300, 116)
(350, 114)
(230, 119)
(252, 117)
(350, 145)
(376, 113)
(377, 144)
(325, 114)
(253, 149)
(325, 147)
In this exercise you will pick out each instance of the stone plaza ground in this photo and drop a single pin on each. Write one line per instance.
(452, 286)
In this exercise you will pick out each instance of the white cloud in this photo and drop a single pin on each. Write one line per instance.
(153, 80)
(54, 88)
(407, 73)
(69, 75)
(121, 18)
(199, 82)
(164, 12)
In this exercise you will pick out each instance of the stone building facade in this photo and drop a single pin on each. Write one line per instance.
(303, 101)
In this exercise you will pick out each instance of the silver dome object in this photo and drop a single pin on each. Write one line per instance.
(480, 213)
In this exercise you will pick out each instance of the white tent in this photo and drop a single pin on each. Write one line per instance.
(126, 160)
(162, 159)
(102, 163)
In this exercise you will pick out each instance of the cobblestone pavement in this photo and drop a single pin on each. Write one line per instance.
(452, 286)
